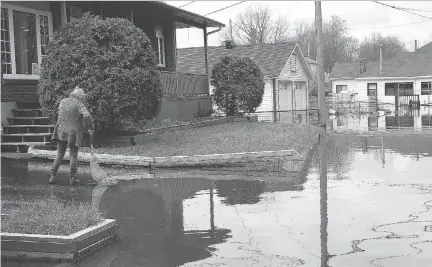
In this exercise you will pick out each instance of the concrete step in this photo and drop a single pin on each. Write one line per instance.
(28, 134)
(27, 112)
(20, 147)
(25, 143)
(29, 126)
(29, 120)
(28, 129)
(28, 105)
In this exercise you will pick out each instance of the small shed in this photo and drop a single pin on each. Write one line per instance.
(286, 73)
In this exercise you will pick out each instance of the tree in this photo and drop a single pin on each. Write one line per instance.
(370, 47)
(335, 42)
(256, 26)
(239, 85)
(338, 46)
(113, 61)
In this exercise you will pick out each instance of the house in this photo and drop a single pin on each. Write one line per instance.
(286, 73)
(27, 26)
(402, 78)
(426, 49)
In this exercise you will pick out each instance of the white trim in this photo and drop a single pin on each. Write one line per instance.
(27, 10)
(38, 41)
(161, 56)
(20, 77)
(11, 39)
(37, 13)
(394, 78)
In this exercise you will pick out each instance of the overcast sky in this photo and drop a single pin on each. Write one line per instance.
(361, 18)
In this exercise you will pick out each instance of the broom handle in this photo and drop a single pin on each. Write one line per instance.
(91, 144)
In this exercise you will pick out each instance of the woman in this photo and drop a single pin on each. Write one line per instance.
(73, 120)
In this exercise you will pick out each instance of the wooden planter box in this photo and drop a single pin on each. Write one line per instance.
(33, 247)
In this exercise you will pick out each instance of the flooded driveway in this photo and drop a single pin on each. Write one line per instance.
(379, 211)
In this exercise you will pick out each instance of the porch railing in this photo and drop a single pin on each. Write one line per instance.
(184, 84)
(408, 100)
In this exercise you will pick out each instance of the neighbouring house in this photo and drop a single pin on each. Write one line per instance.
(403, 78)
(27, 26)
(426, 49)
(286, 73)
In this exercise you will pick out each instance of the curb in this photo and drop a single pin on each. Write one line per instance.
(174, 161)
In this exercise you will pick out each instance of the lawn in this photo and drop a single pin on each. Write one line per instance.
(224, 138)
(47, 217)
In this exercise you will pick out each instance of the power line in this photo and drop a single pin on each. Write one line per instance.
(402, 10)
(419, 10)
(390, 26)
(224, 8)
(187, 4)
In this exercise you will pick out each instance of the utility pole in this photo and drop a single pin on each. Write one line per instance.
(322, 135)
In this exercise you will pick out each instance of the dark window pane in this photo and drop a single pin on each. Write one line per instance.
(25, 41)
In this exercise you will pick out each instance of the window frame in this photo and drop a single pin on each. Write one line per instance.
(368, 89)
(404, 92)
(160, 52)
(10, 8)
(395, 89)
(341, 85)
(428, 91)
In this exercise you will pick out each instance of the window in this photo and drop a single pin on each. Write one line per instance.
(293, 62)
(426, 88)
(160, 47)
(340, 88)
(391, 89)
(406, 88)
(25, 34)
(371, 89)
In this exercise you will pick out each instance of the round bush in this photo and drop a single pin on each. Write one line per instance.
(113, 61)
(239, 85)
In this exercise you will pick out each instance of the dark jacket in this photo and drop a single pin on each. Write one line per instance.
(73, 120)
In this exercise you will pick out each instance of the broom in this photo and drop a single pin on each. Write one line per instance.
(97, 173)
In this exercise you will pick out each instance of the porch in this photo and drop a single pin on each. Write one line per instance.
(185, 95)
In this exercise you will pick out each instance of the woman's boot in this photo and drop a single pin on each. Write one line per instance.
(73, 180)
(53, 177)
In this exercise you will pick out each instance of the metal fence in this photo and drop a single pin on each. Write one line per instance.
(306, 116)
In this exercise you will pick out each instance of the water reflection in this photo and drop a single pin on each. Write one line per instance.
(407, 119)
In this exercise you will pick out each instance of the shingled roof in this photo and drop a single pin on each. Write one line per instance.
(271, 58)
(406, 64)
(426, 49)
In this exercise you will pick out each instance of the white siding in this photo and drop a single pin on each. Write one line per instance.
(351, 85)
(360, 87)
(417, 90)
(267, 102)
(298, 75)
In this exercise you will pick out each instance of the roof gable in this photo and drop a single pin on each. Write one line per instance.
(271, 58)
(426, 49)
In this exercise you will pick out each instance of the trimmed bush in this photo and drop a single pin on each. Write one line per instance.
(239, 85)
(113, 61)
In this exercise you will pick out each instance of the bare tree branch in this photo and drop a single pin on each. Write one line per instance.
(256, 26)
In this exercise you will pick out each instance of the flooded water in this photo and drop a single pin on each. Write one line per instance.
(415, 120)
(378, 211)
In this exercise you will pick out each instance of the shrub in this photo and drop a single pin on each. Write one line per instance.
(239, 85)
(113, 61)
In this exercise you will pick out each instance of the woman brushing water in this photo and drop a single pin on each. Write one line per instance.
(73, 120)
